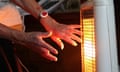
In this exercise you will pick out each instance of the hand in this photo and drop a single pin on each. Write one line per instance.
(68, 33)
(34, 41)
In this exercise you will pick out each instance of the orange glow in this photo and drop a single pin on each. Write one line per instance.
(88, 45)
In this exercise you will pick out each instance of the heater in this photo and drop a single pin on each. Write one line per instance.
(98, 47)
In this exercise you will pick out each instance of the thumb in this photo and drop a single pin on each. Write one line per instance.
(46, 34)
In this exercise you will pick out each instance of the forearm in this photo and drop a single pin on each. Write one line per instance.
(30, 6)
(48, 22)
(34, 9)
(11, 34)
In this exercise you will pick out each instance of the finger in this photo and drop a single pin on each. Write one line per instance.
(78, 32)
(76, 38)
(75, 26)
(49, 47)
(70, 41)
(46, 54)
(58, 41)
(46, 34)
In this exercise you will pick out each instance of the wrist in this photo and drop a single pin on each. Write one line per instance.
(47, 21)
(17, 36)
(42, 14)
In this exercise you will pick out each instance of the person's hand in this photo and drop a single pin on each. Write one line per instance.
(34, 41)
(68, 33)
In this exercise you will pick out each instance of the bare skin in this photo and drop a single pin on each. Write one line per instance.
(34, 40)
(62, 31)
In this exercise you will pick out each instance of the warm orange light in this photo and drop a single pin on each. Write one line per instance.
(88, 45)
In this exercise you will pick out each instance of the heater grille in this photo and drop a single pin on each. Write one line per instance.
(88, 41)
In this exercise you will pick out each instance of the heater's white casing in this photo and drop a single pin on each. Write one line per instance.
(106, 48)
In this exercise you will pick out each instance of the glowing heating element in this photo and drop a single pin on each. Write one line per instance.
(88, 42)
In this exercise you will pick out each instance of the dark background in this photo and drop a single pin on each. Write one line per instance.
(117, 19)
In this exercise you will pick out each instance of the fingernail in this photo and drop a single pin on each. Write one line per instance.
(62, 47)
(55, 60)
(56, 52)
(75, 44)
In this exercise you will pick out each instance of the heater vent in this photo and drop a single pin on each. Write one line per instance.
(88, 41)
